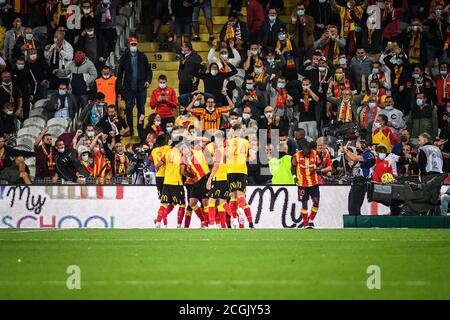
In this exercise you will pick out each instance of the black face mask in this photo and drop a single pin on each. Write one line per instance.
(403, 139)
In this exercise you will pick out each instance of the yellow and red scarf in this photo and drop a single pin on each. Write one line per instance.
(281, 98)
(290, 62)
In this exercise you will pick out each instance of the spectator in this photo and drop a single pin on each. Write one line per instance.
(62, 104)
(253, 55)
(395, 116)
(161, 10)
(189, 64)
(306, 105)
(322, 13)
(330, 44)
(113, 122)
(94, 111)
(379, 75)
(164, 100)
(268, 34)
(272, 65)
(67, 165)
(235, 30)
(39, 73)
(361, 65)
(205, 6)
(182, 12)
(11, 37)
(58, 56)
(382, 165)
(414, 42)
(93, 44)
(418, 83)
(302, 26)
(153, 126)
(45, 157)
(348, 105)
(13, 171)
(247, 121)
(406, 166)
(286, 48)
(442, 81)
(445, 202)
(423, 118)
(24, 43)
(135, 77)
(8, 124)
(82, 75)
(186, 119)
(383, 134)
(255, 18)
(23, 79)
(437, 24)
(106, 13)
(10, 92)
(367, 116)
(88, 16)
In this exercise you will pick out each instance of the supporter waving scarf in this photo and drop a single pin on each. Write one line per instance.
(337, 88)
(259, 76)
(281, 98)
(397, 73)
(345, 112)
(290, 62)
(231, 33)
(414, 48)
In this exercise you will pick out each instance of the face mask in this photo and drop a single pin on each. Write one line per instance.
(90, 33)
(399, 61)
(224, 56)
(377, 125)
(448, 110)
(66, 2)
(85, 157)
(210, 109)
(375, 70)
(7, 82)
(133, 49)
(169, 129)
(373, 90)
(372, 105)
(339, 76)
(438, 12)
(258, 70)
(60, 150)
(9, 113)
(245, 116)
(281, 85)
(62, 92)
(419, 101)
(415, 28)
(86, 10)
(29, 36)
(90, 134)
(342, 61)
(106, 76)
(300, 12)
(196, 104)
(163, 85)
(349, 5)
(255, 52)
(268, 115)
(249, 86)
(415, 75)
(20, 66)
(281, 37)
(443, 73)
(389, 107)
(305, 88)
(322, 69)
(33, 57)
(272, 18)
(157, 123)
(322, 1)
(214, 72)
(270, 61)
(382, 156)
(105, 2)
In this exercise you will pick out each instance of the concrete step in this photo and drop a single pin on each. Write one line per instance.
(164, 65)
(169, 56)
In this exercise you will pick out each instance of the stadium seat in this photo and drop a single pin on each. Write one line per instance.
(40, 103)
(39, 112)
(62, 123)
(31, 132)
(31, 164)
(56, 131)
(25, 141)
(37, 122)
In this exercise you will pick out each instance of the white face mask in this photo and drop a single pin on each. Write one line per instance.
(372, 105)
(90, 33)
(66, 2)
(245, 116)
(157, 123)
(163, 85)
(382, 156)
(210, 109)
(106, 76)
(214, 72)
(33, 57)
(86, 11)
(85, 157)
(9, 113)
(60, 150)
(90, 134)
(196, 103)
(224, 56)
(389, 107)
(268, 115)
(377, 125)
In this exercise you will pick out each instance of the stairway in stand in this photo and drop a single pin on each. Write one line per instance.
(162, 57)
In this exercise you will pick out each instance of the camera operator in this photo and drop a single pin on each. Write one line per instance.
(141, 169)
(67, 164)
(362, 174)
(429, 158)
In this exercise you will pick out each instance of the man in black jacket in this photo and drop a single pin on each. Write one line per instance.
(134, 76)
(189, 65)
(268, 35)
(13, 171)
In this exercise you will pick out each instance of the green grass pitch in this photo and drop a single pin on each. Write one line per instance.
(225, 264)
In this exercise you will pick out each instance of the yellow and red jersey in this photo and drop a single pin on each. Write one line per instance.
(219, 157)
(237, 155)
(210, 121)
(305, 168)
(157, 155)
(197, 163)
(173, 159)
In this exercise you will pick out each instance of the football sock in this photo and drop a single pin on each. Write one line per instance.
(199, 212)
(305, 217)
(206, 216)
(180, 215)
(187, 217)
(313, 213)
(161, 212)
(248, 213)
(212, 211)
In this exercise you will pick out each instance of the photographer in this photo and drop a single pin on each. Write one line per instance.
(141, 169)
(365, 160)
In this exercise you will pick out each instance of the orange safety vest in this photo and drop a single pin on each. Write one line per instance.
(108, 88)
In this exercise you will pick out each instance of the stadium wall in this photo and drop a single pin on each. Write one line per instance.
(136, 206)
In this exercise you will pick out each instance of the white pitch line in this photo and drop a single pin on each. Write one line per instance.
(217, 239)
(281, 282)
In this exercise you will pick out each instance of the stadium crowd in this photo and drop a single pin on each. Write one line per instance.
(337, 74)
